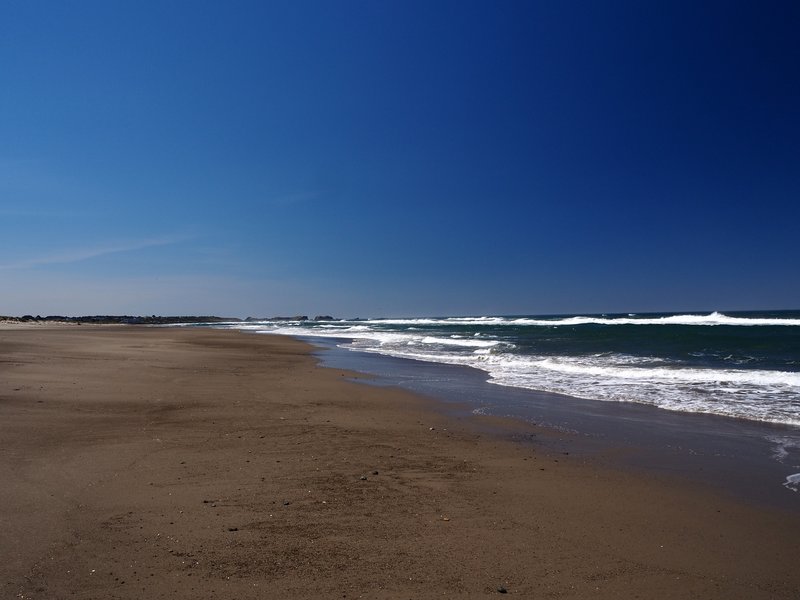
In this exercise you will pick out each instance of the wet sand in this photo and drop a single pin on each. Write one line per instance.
(745, 459)
(188, 463)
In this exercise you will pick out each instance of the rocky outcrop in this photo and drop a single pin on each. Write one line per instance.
(262, 319)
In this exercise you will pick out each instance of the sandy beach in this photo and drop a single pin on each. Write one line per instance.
(188, 463)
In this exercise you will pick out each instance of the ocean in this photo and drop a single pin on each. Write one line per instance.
(714, 396)
(744, 365)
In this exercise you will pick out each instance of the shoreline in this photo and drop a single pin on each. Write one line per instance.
(748, 460)
(743, 367)
(201, 463)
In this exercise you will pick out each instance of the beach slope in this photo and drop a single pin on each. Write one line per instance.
(192, 463)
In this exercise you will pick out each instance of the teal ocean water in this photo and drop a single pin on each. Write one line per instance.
(744, 365)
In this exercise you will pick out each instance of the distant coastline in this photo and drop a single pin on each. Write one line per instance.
(118, 319)
(152, 319)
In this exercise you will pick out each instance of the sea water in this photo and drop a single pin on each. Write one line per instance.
(742, 365)
(710, 395)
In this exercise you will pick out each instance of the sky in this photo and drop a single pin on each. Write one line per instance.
(398, 158)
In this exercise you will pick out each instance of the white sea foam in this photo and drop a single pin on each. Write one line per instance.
(793, 482)
(714, 318)
(785, 449)
(459, 342)
(672, 375)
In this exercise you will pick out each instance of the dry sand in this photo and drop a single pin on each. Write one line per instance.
(188, 463)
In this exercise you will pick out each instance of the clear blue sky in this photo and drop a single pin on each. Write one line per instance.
(368, 158)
